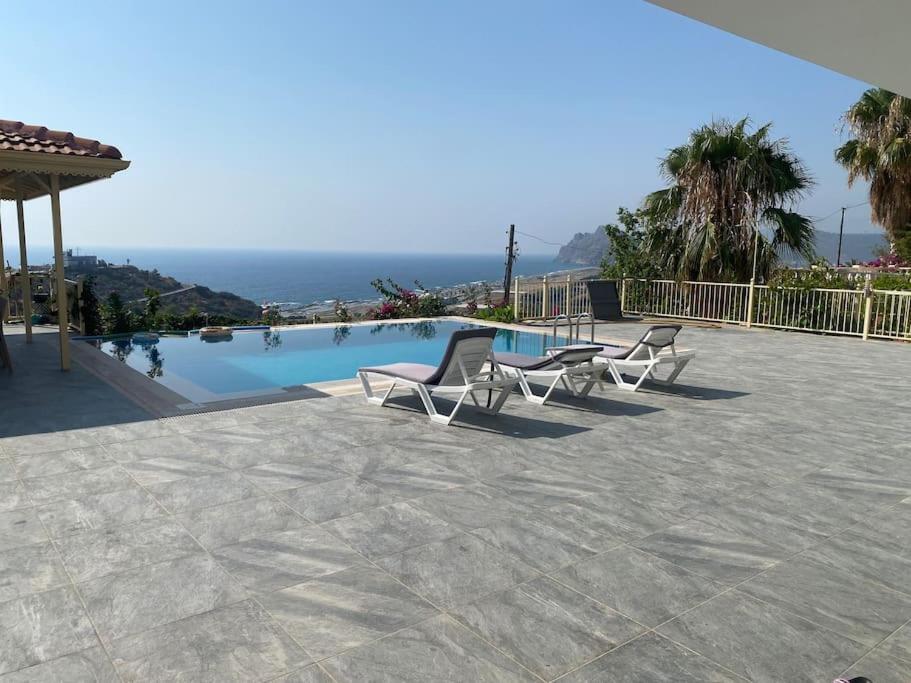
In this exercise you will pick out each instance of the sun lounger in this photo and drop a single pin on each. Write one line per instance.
(570, 365)
(654, 349)
(462, 372)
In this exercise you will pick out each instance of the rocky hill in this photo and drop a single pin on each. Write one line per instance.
(131, 282)
(589, 248)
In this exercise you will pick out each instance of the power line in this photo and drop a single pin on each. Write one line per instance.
(828, 216)
(535, 237)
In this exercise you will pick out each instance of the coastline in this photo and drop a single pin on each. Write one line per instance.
(453, 295)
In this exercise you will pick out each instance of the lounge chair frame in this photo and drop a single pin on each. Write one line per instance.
(564, 369)
(647, 356)
(456, 379)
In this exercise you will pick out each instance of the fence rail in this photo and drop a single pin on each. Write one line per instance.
(44, 297)
(863, 312)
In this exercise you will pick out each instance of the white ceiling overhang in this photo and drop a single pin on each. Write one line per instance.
(865, 39)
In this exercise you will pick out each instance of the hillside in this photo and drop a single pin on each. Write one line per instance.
(131, 282)
(589, 248)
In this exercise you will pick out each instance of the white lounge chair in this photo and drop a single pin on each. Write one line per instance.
(571, 365)
(654, 349)
(461, 373)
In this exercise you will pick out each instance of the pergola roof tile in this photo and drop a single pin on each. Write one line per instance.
(19, 137)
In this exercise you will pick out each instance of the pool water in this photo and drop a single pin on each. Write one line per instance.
(259, 362)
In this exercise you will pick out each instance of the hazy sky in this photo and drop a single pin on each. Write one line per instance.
(392, 126)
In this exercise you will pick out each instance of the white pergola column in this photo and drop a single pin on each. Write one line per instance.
(63, 309)
(24, 280)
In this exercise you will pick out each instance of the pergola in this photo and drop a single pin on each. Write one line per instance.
(37, 162)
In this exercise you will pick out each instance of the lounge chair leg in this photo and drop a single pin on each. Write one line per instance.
(678, 368)
(368, 390)
(427, 401)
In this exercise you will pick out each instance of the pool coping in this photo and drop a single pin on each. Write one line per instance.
(162, 402)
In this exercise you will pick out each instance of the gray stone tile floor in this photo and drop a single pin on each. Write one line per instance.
(753, 523)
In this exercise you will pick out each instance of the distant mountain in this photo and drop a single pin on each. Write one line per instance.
(590, 248)
(131, 282)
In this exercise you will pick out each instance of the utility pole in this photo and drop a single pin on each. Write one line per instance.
(841, 230)
(510, 257)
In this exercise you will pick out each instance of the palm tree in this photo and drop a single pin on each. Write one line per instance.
(729, 188)
(880, 153)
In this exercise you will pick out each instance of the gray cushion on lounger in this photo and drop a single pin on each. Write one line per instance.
(414, 372)
(522, 361)
(618, 352)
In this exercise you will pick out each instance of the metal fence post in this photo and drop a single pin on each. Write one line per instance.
(623, 294)
(868, 307)
(545, 299)
(750, 302)
(515, 298)
(568, 304)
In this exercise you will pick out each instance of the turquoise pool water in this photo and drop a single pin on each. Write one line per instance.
(255, 362)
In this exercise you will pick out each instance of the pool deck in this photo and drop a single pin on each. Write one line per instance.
(754, 523)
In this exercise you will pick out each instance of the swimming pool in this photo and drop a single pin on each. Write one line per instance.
(261, 362)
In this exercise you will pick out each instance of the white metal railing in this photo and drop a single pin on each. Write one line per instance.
(863, 312)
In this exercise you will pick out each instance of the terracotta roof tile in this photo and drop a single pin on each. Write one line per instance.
(16, 136)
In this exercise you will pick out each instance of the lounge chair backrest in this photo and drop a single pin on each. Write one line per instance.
(657, 337)
(466, 354)
(605, 299)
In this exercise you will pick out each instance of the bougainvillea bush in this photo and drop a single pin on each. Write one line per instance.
(401, 302)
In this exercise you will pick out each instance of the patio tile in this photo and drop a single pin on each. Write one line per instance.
(47, 441)
(544, 487)
(278, 476)
(853, 552)
(417, 479)
(638, 585)
(238, 453)
(160, 470)
(13, 496)
(20, 527)
(456, 571)
(898, 644)
(129, 431)
(471, 507)
(45, 464)
(181, 495)
(43, 626)
(29, 569)
(854, 484)
(547, 627)
(71, 485)
(435, 650)
(361, 460)
(712, 552)
(236, 643)
(342, 610)
(762, 642)
(231, 523)
(310, 674)
(100, 511)
(889, 531)
(7, 470)
(283, 558)
(390, 529)
(171, 446)
(832, 598)
(88, 665)
(337, 498)
(649, 659)
(140, 599)
(545, 540)
(617, 515)
(880, 667)
(94, 554)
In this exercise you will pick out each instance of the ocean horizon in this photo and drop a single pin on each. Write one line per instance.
(306, 277)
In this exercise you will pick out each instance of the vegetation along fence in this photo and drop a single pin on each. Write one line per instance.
(862, 312)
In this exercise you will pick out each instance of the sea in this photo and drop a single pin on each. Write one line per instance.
(303, 279)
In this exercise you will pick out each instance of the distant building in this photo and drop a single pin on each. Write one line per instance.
(79, 261)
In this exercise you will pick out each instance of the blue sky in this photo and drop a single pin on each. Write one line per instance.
(392, 126)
